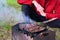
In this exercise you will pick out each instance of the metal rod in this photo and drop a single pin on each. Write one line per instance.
(49, 20)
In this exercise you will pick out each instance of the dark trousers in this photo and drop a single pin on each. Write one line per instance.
(30, 12)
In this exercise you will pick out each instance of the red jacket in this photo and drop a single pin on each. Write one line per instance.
(52, 7)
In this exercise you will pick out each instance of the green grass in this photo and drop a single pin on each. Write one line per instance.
(5, 31)
(13, 3)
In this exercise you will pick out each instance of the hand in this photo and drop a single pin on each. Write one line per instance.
(33, 0)
(42, 13)
(39, 8)
(37, 5)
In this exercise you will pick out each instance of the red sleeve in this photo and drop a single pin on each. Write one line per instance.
(50, 15)
(50, 4)
(27, 2)
(49, 9)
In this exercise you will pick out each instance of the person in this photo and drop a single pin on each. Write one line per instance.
(51, 10)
